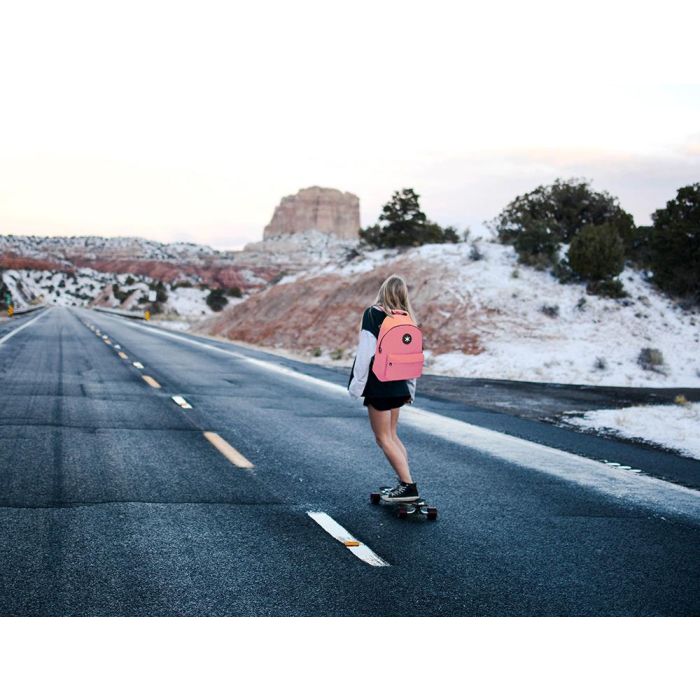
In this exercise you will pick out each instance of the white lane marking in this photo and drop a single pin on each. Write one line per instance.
(265, 364)
(5, 338)
(181, 401)
(623, 485)
(228, 451)
(360, 550)
(138, 365)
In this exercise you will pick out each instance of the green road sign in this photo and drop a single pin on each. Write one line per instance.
(8, 298)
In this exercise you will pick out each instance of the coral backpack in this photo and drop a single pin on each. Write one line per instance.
(399, 352)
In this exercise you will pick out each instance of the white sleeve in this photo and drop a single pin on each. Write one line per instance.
(412, 388)
(365, 351)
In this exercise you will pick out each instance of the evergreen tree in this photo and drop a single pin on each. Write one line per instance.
(675, 244)
(402, 223)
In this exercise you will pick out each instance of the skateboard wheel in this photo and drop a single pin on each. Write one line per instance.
(432, 513)
(374, 498)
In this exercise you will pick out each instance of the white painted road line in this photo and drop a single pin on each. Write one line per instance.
(623, 485)
(138, 365)
(231, 453)
(181, 401)
(5, 338)
(360, 550)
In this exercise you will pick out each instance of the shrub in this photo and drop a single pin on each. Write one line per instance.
(538, 222)
(4, 293)
(612, 289)
(337, 354)
(597, 252)
(279, 276)
(475, 253)
(675, 244)
(551, 311)
(316, 352)
(216, 299)
(563, 272)
(600, 363)
(160, 290)
(650, 359)
(234, 292)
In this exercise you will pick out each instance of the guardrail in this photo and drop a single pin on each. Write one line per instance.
(117, 312)
(28, 310)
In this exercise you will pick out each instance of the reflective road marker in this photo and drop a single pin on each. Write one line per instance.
(123, 355)
(138, 365)
(150, 381)
(231, 453)
(361, 551)
(181, 401)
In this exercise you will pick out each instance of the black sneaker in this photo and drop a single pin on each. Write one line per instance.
(402, 493)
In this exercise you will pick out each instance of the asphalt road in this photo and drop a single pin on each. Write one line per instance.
(114, 502)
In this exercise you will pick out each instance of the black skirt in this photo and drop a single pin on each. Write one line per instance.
(386, 403)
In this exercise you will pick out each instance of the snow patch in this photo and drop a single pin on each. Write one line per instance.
(675, 427)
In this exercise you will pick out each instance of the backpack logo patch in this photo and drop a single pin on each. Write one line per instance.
(406, 338)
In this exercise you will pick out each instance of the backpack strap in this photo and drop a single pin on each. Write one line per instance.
(393, 312)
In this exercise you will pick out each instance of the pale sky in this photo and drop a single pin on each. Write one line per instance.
(190, 120)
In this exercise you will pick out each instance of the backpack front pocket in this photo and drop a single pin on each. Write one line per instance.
(407, 366)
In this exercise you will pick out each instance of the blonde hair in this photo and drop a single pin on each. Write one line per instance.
(393, 294)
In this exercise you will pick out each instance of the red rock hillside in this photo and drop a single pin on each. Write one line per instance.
(324, 312)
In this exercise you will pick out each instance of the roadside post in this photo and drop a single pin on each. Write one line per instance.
(152, 296)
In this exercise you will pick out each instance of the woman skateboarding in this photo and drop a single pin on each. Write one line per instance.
(389, 357)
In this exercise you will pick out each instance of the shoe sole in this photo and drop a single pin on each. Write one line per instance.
(408, 499)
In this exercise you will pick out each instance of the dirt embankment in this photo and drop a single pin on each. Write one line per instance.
(324, 312)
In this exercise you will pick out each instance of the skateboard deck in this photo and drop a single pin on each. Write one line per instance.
(404, 508)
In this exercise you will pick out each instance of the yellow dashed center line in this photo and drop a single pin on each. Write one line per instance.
(231, 453)
(150, 381)
(123, 355)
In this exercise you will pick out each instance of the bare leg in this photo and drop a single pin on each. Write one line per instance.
(394, 434)
(381, 426)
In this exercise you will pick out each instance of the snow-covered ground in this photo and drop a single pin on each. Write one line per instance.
(82, 287)
(677, 426)
(99, 247)
(55, 287)
(535, 329)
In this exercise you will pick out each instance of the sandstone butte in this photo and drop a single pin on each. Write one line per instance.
(321, 209)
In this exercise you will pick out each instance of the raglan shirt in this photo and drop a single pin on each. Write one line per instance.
(363, 382)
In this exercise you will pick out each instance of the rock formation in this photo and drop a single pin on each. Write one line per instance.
(320, 209)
